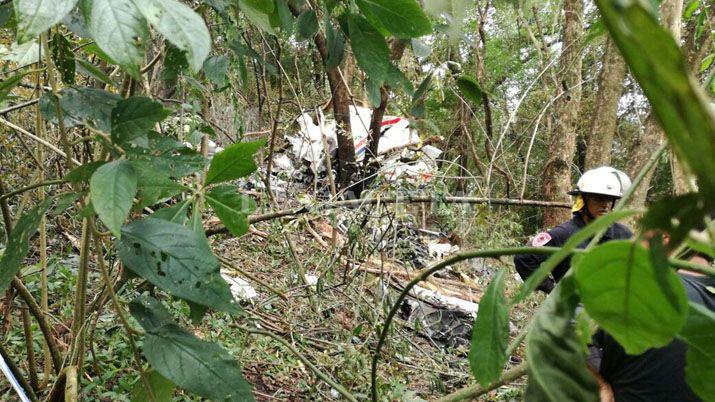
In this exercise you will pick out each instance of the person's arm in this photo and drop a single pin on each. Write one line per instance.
(605, 391)
(527, 264)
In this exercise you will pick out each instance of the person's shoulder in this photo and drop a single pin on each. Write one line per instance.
(621, 231)
(559, 234)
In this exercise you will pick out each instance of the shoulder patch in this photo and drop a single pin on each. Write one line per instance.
(541, 239)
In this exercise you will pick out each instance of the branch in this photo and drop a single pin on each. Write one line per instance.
(421, 199)
(474, 391)
(30, 187)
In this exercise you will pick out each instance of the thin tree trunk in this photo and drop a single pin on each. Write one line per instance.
(599, 138)
(562, 144)
(652, 136)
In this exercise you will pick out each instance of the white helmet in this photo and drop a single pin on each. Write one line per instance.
(604, 180)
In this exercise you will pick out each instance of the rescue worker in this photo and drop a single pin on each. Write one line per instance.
(595, 195)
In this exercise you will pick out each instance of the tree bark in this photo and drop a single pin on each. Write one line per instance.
(599, 138)
(652, 136)
(562, 144)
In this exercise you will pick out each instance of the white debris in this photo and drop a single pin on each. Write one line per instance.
(445, 302)
(282, 163)
(311, 280)
(213, 148)
(240, 289)
(440, 250)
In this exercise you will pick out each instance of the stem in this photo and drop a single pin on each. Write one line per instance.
(344, 392)
(122, 317)
(58, 109)
(426, 274)
(474, 391)
(80, 297)
(30, 345)
(5, 196)
(17, 373)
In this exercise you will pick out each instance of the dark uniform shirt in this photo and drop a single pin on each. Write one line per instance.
(658, 375)
(526, 264)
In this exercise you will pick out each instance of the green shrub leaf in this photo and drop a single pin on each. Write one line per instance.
(470, 89)
(162, 389)
(189, 362)
(307, 24)
(175, 259)
(256, 11)
(81, 105)
(403, 18)
(36, 16)
(111, 189)
(134, 117)
(234, 162)
(371, 51)
(119, 29)
(231, 207)
(621, 291)
(699, 334)
(490, 335)
(181, 26)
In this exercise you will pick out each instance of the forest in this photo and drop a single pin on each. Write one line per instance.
(293, 200)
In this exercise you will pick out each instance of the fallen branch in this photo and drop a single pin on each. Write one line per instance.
(396, 200)
(474, 391)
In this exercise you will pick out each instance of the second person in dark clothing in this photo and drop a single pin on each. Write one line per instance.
(595, 195)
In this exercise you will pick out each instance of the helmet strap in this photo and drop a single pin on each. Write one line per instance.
(585, 210)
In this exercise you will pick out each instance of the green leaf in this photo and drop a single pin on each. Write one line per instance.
(175, 63)
(7, 85)
(676, 216)
(134, 117)
(176, 213)
(36, 16)
(90, 70)
(395, 78)
(336, 45)
(403, 18)
(18, 244)
(63, 57)
(215, 68)
(555, 357)
(490, 334)
(6, 14)
(191, 363)
(165, 154)
(620, 290)
(111, 189)
(83, 173)
(162, 389)
(371, 51)
(181, 26)
(373, 92)
(657, 63)
(690, 9)
(699, 334)
(307, 24)
(255, 11)
(285, 16)
(119, 29)
(22, 54)
(707, 62)
(231, 207)
(154, 185)
(234, 162)
(80, 105)
(175, 259)
(579, 237)
(470, 89)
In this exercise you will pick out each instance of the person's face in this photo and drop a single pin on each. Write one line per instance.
(598, 205)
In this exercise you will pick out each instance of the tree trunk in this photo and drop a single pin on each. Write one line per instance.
(652, 136)
(599, 138)
(562, 144)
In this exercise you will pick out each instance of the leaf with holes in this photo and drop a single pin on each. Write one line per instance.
(18, 243)
(234, 162)
(181, 26)
(403, 18)
(63, 57)
(134, 117)
(621, 290)
(36, 16)
(111, 189)
(75, 102)
(176, 260)
(231, 207)
(490, 334)
(119, 29)
(196, 365)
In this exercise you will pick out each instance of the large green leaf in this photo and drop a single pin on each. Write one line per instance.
(699, 334)
(63, 57)
(134, 117)
(181, 26)
(307, 24)
(154, 185)
(165, 154)
(84, 172)
(80, 105)
(336, 45)
(36, 16)
(18, 244)
(162, 389)
(662, 71)
(215, 69)
(234, 162)
(191, 363)
(119, 29)
(174, 258)
(536, 278)
(620, 290)
(676, 216)
(555, 356)
(231, 207)
(176, 213)
(256, 12)
(371, 51)
(470, 89)
(403, 18)
(490, 334)
(8, 84)
(111, 189)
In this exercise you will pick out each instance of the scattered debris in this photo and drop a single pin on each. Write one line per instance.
(240, 289)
